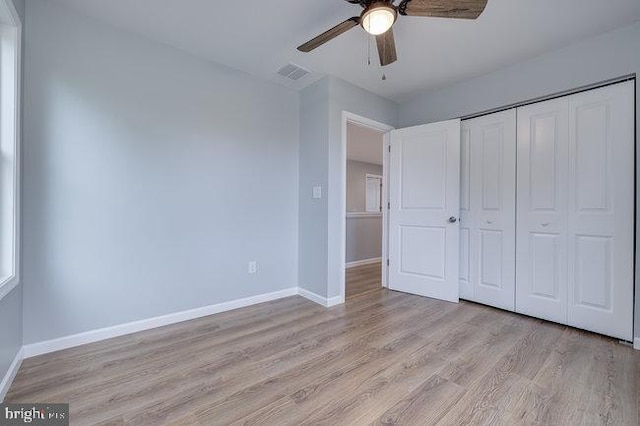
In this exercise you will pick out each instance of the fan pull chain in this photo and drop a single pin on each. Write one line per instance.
(369, 50)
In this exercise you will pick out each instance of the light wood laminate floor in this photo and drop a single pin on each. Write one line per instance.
(363, 279)
(382, 358)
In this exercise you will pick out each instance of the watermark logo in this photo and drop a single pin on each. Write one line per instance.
(34, 414)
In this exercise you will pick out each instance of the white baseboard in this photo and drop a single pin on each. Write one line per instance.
(320, 300)
(636, 343)
(363, 262)
(66, 342)
(333, 301)
(11, 374)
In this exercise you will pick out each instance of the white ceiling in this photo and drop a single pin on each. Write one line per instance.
(260, 36)
(364, 144)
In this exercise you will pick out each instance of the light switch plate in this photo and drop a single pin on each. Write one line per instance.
(317, 192)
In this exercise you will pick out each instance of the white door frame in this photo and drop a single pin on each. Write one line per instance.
(348, 117)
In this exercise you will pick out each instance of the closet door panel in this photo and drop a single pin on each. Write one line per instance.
(490, 217)
(544, 266)
(541, 252)
(601, 208)
(466, 281)
(491, 259)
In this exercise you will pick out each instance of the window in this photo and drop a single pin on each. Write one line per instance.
(10, 32)
(373, 193)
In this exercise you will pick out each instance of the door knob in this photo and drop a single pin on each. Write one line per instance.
(453, 219)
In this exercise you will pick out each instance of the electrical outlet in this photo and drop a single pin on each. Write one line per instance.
(253, 267)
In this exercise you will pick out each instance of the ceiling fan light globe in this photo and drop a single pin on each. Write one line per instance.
(378, 19)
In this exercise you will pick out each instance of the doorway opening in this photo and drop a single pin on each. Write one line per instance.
(365, 205)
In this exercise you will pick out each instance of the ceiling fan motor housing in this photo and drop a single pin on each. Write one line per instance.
(378, 17)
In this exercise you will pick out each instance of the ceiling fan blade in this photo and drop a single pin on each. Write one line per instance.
(387, 48)
(328, 35)
(460, 9)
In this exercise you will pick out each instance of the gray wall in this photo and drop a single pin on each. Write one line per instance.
(610, 55)
(364, 238)
(364, 234)
(11, 304)
(601, 58)
(151, 178)
(313, 225)
(357, 172)
(322, 104)
(20, 8)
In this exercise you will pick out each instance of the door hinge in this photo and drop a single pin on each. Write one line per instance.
(389, 148)
(389, 206)
(387, 262)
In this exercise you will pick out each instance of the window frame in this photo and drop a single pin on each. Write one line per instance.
(10, 138)
(367, 177)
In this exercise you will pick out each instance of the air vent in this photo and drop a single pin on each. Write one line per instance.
(293, 72)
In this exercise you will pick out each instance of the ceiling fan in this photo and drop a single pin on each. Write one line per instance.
(378, 18)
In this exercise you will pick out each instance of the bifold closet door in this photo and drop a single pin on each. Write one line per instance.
(488, 209)
(542, 185)
(601, 209)
(575, 212)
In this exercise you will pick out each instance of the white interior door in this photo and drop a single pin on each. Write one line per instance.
(488, 209)
(541, 246)
(601, 208)
(424, 183)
